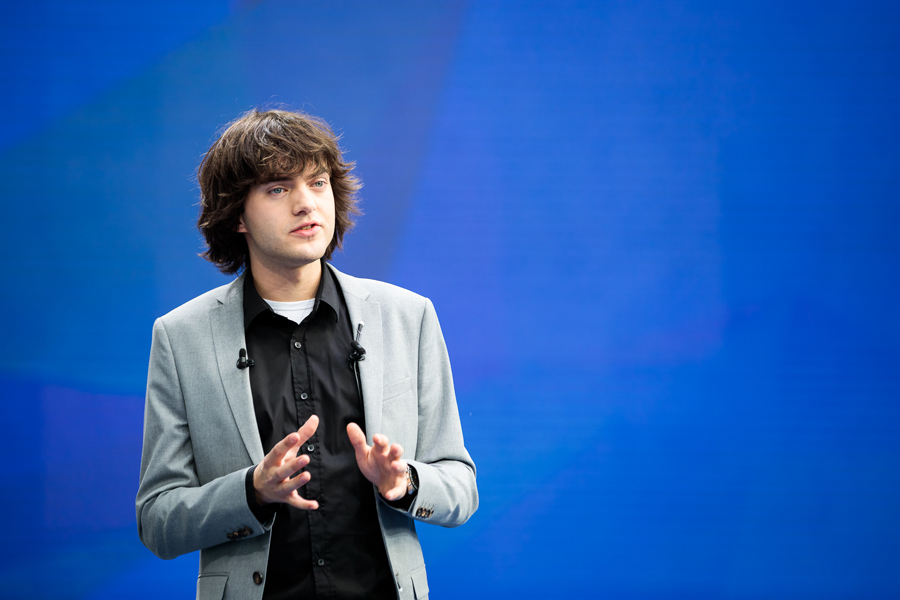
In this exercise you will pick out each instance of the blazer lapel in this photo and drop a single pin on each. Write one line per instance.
(371, 370)
(227, 323)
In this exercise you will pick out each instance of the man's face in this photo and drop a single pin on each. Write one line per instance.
(289, 223)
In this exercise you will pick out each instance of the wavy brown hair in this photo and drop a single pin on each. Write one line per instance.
(266, 146)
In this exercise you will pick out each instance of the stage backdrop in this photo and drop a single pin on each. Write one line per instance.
(662, 239)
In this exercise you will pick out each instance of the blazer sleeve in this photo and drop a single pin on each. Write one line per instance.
(176, 514)
(447, 493)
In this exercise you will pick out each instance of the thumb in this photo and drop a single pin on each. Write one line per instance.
(358, 439)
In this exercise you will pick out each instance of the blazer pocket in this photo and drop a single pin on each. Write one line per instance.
(398, 388)
(212, 586)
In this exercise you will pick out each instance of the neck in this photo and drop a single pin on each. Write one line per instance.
(292, 285)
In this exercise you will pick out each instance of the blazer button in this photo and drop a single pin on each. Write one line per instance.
(257, 578)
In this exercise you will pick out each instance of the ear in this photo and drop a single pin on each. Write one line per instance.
(240, 228)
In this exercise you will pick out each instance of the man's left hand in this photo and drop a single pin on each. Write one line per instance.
(380, 463)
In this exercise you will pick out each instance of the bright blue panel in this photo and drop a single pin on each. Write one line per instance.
(57, 55)
(660, 238)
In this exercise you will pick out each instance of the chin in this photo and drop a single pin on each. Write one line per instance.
(309, 257)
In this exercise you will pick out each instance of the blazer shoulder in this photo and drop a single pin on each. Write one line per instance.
(386, 294)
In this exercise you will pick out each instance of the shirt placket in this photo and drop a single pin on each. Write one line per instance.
(307, 403)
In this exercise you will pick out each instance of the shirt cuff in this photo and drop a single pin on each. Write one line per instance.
(263, 513)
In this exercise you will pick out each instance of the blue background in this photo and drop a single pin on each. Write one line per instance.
(661, 238)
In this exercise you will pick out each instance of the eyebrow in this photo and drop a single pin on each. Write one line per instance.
(283, 178)
(277, 179)
(320, 171)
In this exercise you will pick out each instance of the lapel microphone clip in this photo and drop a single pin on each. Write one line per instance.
(358, 353)
(243, 362)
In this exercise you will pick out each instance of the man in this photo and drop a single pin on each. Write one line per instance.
(296, 367)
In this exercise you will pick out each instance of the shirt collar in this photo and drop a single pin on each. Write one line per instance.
(326, 295)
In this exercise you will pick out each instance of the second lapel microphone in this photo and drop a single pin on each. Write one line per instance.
(358, 353)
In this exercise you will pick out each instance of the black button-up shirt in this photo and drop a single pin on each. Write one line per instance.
(300, 370)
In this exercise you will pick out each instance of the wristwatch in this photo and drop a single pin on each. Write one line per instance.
(412, 481)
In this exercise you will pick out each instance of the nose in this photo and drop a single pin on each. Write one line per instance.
(304, 201)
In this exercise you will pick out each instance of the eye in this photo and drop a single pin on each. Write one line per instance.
(319, 184)
(278, 190)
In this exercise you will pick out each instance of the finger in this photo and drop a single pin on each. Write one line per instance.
(290, 467)
(291, 454)
(380, 444)
(356, 435)
(396, 452)
(358, 440)
(395, 493)
(289, 486)
(307, 430)
(399, 466)
(277, 453)
(302, 503)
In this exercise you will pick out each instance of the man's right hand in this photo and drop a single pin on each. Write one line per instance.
(272, 477)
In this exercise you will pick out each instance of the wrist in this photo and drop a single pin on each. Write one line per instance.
(260, 500)
(263, 513)
(408, 482)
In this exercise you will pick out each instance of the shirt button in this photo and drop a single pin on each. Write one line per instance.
(297, 345)
(321, 561)
(257, 578)
(304, 396)
(310, 448)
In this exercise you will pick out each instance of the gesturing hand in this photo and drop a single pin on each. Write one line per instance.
(272, 477)
(380, 463)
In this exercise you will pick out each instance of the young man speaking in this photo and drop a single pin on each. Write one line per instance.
(295, 367)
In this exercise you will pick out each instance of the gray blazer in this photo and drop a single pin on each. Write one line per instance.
(201, 437)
